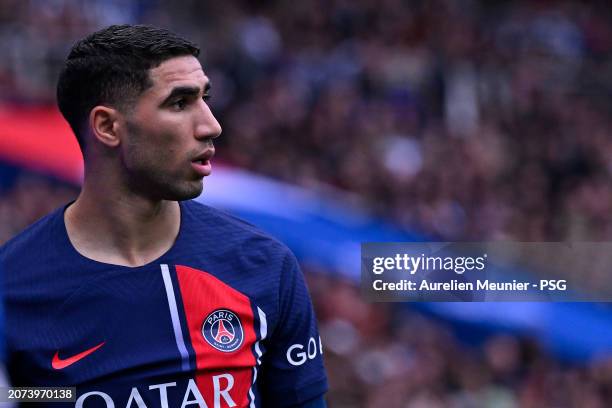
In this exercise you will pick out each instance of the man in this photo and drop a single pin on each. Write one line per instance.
(133, 294)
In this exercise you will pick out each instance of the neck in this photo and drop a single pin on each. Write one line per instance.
(116, 226)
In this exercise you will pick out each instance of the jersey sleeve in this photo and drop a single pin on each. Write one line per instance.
(293, 372)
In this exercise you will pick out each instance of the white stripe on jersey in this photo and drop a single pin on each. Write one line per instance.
(176, 323)
(263, 331)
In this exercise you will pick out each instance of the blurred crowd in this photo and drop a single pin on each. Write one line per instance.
(468, 120)
(465, 120)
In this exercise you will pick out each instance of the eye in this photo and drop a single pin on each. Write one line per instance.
(179, 104)
(207, 95)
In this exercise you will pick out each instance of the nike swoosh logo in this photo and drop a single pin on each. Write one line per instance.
(61, 363)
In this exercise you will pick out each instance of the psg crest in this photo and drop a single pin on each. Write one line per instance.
(222, 330)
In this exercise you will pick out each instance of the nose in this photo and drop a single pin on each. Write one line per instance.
(207, 126)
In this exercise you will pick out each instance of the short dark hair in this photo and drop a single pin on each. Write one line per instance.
(111, 67)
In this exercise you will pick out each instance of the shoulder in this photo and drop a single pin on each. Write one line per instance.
(221, 219)
(33, 262)
(228, 231)
(239, 254)
(33, 242)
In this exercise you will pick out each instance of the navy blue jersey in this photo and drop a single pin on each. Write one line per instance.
(223, 319)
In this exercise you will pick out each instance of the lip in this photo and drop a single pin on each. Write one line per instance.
(201, 163)
(203, 169)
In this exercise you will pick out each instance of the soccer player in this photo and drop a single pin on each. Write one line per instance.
(134, 294)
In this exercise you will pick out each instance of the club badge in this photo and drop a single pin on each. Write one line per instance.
(222, 330)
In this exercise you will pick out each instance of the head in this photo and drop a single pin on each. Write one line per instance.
(135, 97)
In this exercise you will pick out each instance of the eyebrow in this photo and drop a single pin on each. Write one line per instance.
(190, 91)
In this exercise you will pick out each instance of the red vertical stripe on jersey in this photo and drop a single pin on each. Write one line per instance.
(202, 294)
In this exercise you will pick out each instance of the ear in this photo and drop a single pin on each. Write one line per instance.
(104, 124)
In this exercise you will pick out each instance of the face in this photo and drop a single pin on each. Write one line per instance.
(168, 140)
